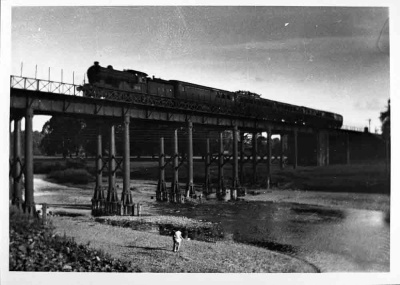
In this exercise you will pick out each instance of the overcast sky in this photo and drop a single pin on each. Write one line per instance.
(328, 58)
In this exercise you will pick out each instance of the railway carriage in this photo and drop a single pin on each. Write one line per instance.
(180, 94)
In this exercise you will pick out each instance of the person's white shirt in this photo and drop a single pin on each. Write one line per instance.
(178, 236)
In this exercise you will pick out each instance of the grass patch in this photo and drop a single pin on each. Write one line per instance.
(70, 175)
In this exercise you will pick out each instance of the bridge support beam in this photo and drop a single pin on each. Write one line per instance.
(269, 154)
(189, 186)
(207, 182)
(322, 152)
(254, 155)
(126, 199)
(295, 153)
(221, 184)
(29, 205)
(347, 148)
(175, 189)
(112, 197)
(241, 164)
(161, 193)
(10, 167)
(281, 160)
(17, 166)
(327, 151)
(319, 153)
(98, 201)
(235, 166)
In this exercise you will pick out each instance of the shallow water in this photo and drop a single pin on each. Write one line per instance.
(331, 239)
(355, 240)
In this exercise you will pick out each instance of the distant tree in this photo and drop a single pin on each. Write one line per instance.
(263, 145)
(62, 135)
(276, 147)
(385, 119)
(37, 139)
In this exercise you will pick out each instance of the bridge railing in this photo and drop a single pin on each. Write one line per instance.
(41, 85)
(352, 128)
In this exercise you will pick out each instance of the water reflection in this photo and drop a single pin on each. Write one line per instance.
(356, 237)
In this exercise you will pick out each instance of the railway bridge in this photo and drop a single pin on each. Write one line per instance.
(29, 97)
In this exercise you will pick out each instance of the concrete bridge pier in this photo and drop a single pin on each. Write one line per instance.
(17, 166)
(189, 186)
(207, 182)
(327, 150)
(254, 155)
(322, 148)
(241, 163)
(112, 196)
(126, 196)
(295, 149)
(29, 205)
(281, 158)
(161, 193)
(269, 154)
(235, 166)
(98, 201)
(347, 148)
(175, 189)
(10, 166)
(221, 185)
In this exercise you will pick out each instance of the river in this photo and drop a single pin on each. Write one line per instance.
(332, 239)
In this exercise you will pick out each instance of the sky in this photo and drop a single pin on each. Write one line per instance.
(329, 58)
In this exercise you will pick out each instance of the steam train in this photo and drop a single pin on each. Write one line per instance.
(136, 87)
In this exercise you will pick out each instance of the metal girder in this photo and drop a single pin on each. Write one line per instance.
(45, 103)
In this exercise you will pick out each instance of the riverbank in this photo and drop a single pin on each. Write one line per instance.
(152, 252)
(348, 200)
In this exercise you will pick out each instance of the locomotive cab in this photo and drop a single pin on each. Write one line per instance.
(127, 80)
(139, 77)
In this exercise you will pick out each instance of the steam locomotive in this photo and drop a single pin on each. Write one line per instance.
(136, 87)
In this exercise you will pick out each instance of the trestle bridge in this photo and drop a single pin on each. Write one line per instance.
(29, 97)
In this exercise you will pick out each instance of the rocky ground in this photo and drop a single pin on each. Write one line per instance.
(152, 252)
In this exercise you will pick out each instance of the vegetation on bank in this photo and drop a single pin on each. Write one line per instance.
(366, 177)
(356, 178)
(75, 176)
(34, 247)
(75, 171)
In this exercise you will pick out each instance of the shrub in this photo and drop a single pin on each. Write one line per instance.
(34, 247)
(76, 163)
(21, 222)
(76, 176)
(44, 167)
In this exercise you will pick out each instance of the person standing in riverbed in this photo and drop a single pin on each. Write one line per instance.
(177, 238)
